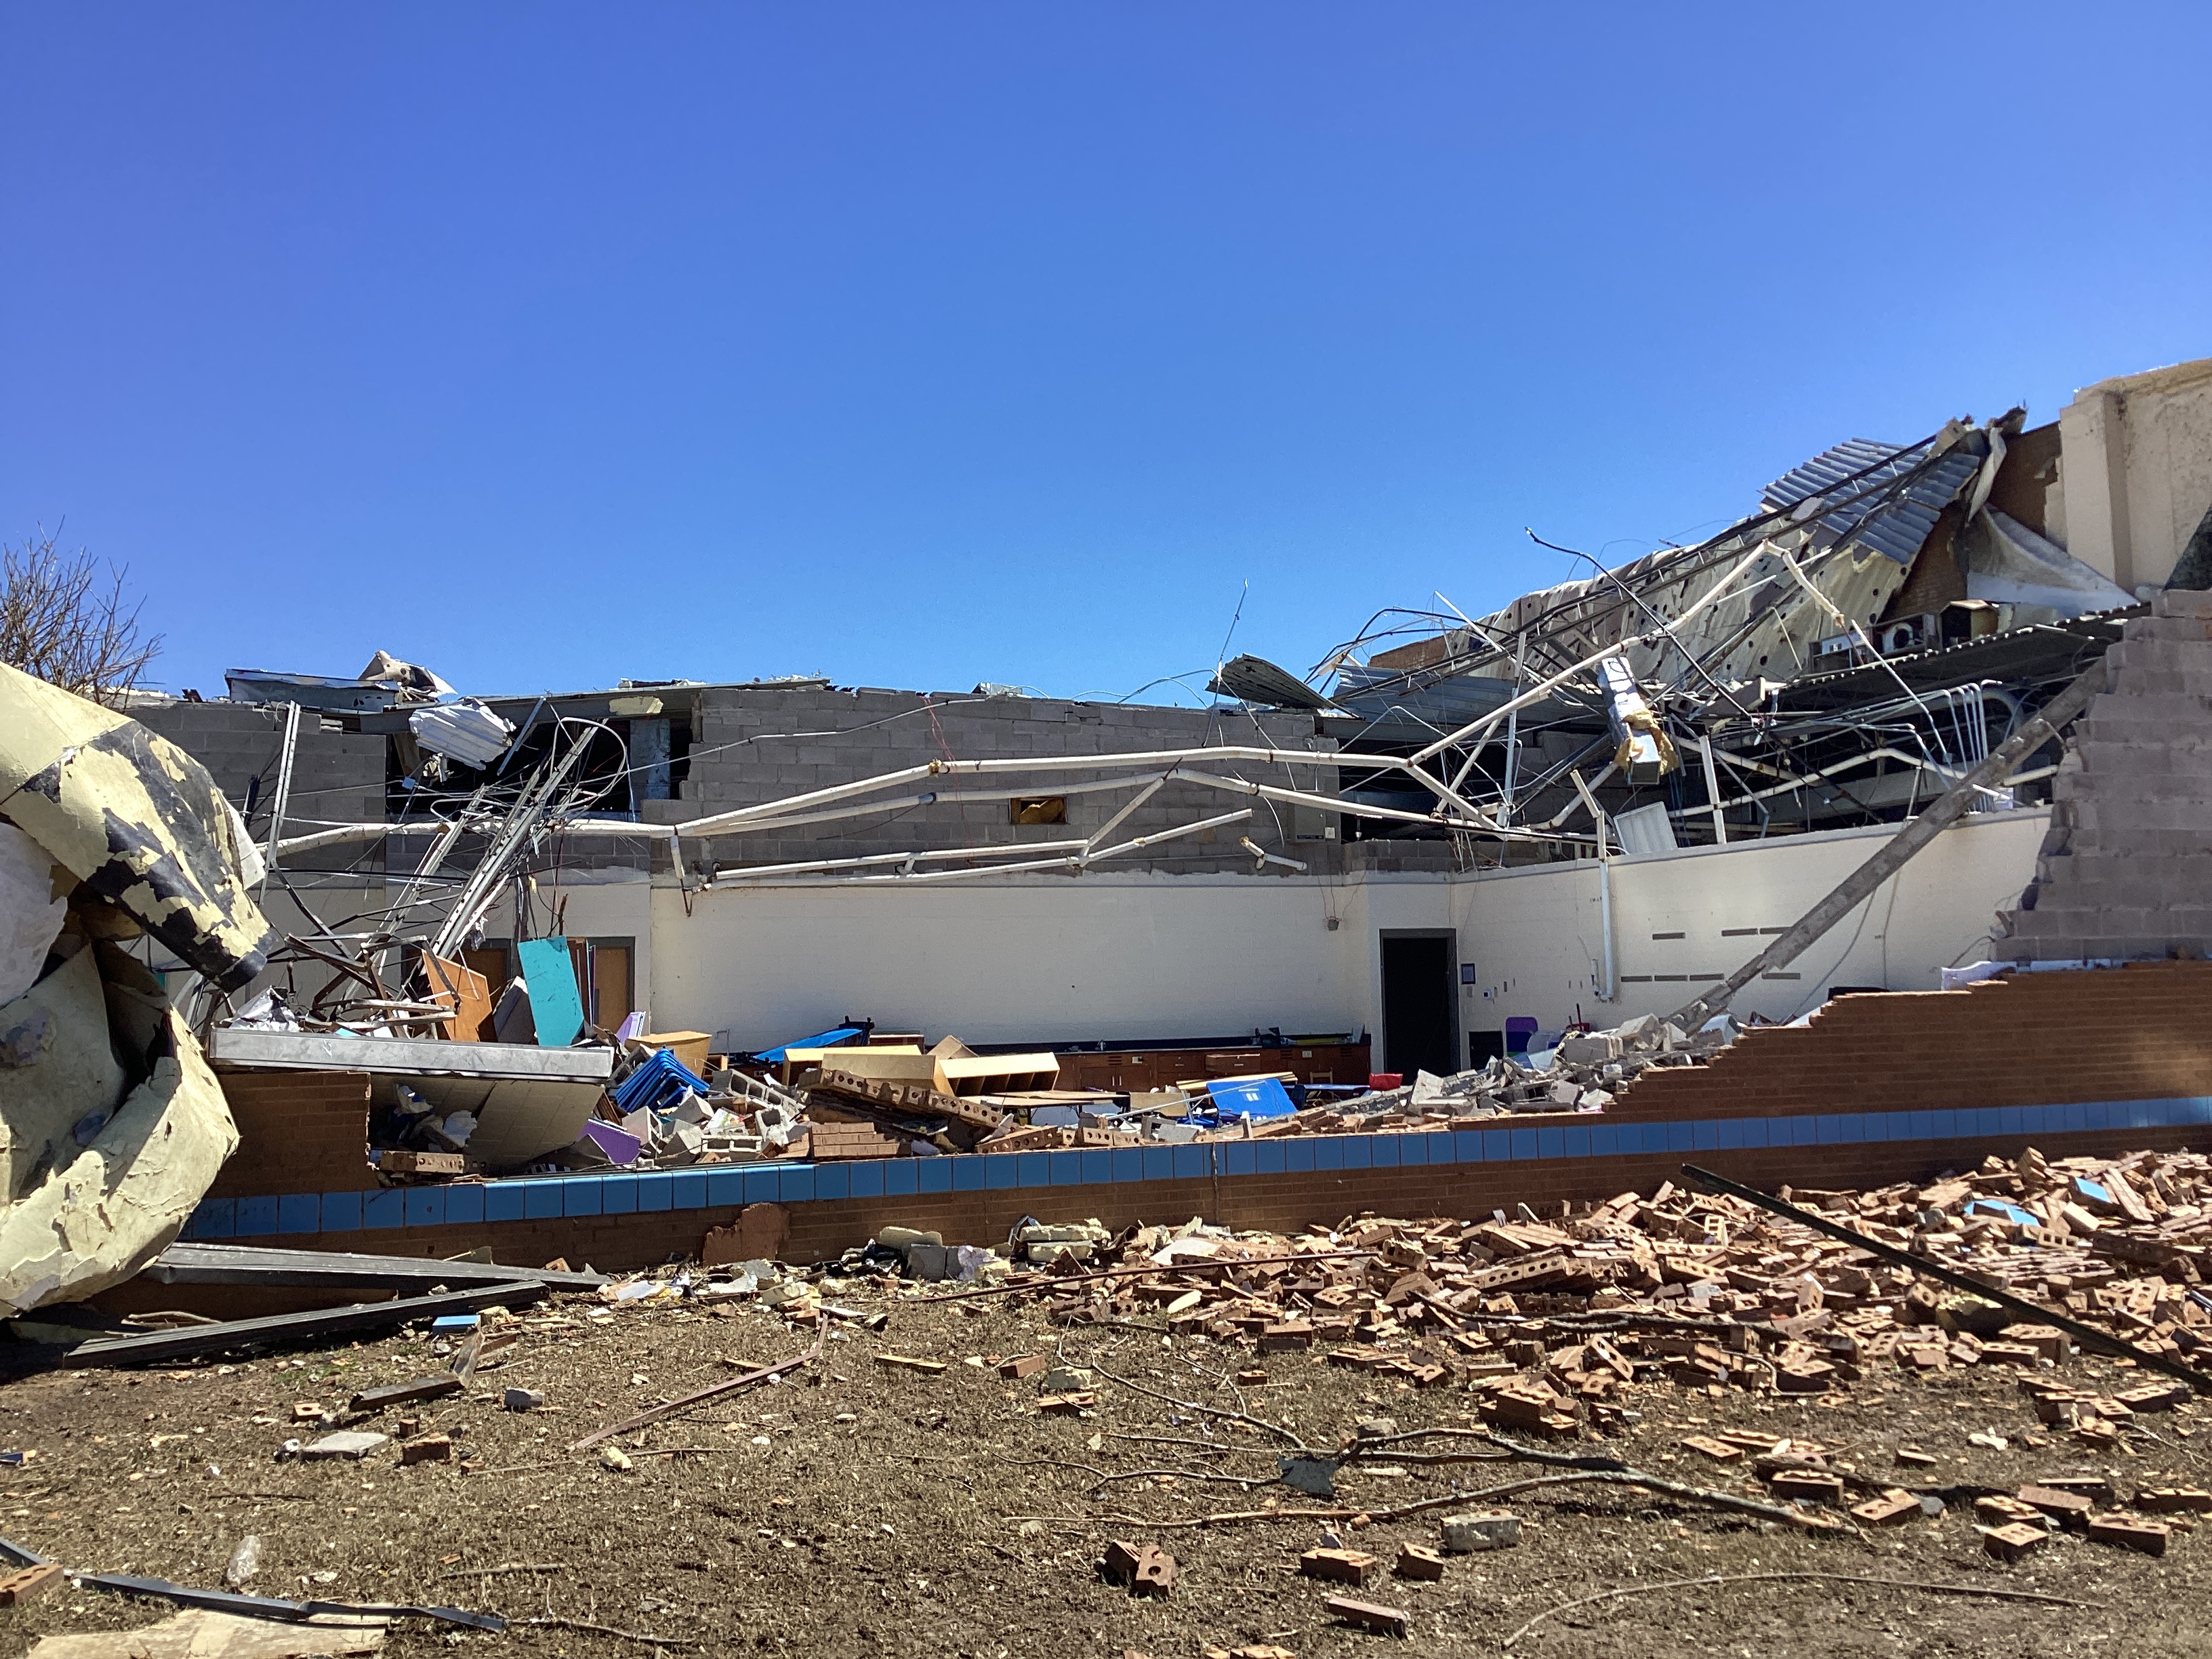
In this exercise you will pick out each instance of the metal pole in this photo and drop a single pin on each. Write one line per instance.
(1612, 991)
(1512, 738)
(1713, 789)
(1942, 812)
(284, 794)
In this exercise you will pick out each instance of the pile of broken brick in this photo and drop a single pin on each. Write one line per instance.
(1555, 1323)
(1555, 1316)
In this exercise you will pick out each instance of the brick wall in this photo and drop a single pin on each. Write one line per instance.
(297, 1132)
(2141, 1032)
(1282, 1202)
(1877, 1088)
(2126, 867)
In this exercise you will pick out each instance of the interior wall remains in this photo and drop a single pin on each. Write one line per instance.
(2135, 471)
(1014, 960)
(1042, 958)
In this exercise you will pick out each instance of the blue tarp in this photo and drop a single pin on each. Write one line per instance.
(836, 1039)
(1250, 1096)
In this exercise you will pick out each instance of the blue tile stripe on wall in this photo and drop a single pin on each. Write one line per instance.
(722, 1186)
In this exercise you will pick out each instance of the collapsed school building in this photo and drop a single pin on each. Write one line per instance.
(1528, 904)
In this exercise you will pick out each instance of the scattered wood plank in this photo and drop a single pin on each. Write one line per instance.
(405, 1394)
(906, 1363)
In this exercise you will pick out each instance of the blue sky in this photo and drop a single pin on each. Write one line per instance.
(919, 345)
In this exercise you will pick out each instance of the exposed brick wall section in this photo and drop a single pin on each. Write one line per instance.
(298, 1132)
(2141, 1032)
(1279, 1202)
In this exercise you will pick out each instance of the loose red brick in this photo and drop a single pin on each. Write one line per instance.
(28, 1583)
(2014, 1539)
(1420, 1561)
(2130, 1532)
(1370, 1615)
(1891, 1509)
(1344, 1566)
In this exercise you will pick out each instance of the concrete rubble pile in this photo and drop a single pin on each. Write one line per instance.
(885, 1102)
(1581, 1073)
(659, 1114)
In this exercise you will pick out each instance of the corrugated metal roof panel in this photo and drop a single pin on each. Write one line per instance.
(1899, 527)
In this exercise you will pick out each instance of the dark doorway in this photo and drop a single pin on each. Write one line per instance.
(1419, 1031)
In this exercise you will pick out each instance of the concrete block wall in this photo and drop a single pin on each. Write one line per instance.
(337, 775)
(2141, 1032)
(753, 745)
(2126, 868)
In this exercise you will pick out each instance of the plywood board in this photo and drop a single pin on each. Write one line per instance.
(467, 993)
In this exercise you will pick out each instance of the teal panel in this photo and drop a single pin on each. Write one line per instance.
(555, 1006)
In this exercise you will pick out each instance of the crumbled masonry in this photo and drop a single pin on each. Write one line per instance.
(1569, 1328)
(1558, 1320)
(870, 1103)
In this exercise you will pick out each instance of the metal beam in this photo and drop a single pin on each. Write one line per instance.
(1945, 811)
(190, 1263)
(162, 1345)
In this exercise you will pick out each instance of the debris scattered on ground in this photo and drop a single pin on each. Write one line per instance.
(1251, 1470)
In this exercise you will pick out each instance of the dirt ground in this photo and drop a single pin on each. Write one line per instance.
(863, 1509)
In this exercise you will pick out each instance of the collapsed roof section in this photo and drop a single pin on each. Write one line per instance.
(1888, 615)
(1888, 618)
(1898, 525)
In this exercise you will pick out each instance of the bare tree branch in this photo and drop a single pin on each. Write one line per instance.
(60, 621)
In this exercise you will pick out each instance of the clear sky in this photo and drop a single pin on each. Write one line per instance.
(917, 346)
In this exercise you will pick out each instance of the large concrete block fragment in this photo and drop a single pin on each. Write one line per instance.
(94, 1198)
(31, 909)
(136, 819)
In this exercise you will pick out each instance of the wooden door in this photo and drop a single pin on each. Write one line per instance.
(611, 985)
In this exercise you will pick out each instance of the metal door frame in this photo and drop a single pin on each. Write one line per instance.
(1450, 936)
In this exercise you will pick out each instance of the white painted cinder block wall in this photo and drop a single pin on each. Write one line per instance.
(2135, 471)
(1535, 941)
(1044, 959)
(1017, 960)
